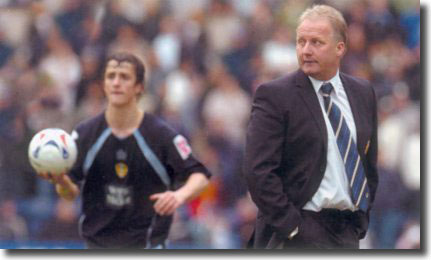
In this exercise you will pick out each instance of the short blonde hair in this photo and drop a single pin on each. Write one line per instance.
(333, 15)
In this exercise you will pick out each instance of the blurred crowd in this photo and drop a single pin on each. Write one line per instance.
(204, 60)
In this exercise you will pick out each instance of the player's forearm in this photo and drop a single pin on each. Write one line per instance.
(195, 184)
(67, 189)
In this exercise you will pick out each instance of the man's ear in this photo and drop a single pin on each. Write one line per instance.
(340, 49)
(139, 87)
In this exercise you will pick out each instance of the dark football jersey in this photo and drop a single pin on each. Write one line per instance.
(118, 175)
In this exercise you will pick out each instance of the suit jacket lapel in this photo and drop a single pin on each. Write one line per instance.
(309, 96)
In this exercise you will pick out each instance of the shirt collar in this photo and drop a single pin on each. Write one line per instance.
(335, 81)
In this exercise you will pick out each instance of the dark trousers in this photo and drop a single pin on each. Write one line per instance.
(328, 228)
(113, 242)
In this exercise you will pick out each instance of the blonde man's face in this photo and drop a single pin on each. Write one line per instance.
(318, 51)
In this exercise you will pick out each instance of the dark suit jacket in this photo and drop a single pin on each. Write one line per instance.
(286, 150)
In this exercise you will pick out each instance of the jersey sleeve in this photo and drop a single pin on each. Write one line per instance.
(181, 162)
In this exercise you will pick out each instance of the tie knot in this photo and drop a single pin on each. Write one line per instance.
(326, 89)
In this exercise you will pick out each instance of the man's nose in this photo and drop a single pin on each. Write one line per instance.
(306, 49)
(116, 81)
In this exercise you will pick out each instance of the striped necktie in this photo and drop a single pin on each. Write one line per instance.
(348, 150)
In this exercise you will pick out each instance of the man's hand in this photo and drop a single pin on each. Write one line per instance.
(53, 178)
(167, 202)
(63, 185)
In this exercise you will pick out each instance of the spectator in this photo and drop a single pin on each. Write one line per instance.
(12, 226)
(5, 51)
(62, 66)
(167, 45)
(279, 53)
(226, 121)
(63, 226)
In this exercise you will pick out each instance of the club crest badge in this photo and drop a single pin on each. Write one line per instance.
(121, 169)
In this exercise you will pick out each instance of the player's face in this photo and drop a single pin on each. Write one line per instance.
(318, 50)
(120, 83)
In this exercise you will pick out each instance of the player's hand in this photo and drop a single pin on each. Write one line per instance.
(166, 202)
(53, 178)
(64, 186)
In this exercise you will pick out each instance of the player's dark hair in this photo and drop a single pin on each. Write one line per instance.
(130, 58)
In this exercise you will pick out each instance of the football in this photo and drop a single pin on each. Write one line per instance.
(52, 150)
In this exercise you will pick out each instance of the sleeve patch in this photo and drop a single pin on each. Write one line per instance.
(182, 146)
(75, 135)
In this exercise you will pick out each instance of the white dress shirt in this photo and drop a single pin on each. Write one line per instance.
(333, 191)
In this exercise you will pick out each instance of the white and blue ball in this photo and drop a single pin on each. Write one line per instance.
(52, 150)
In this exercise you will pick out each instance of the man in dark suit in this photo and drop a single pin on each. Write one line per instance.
(311, 148)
